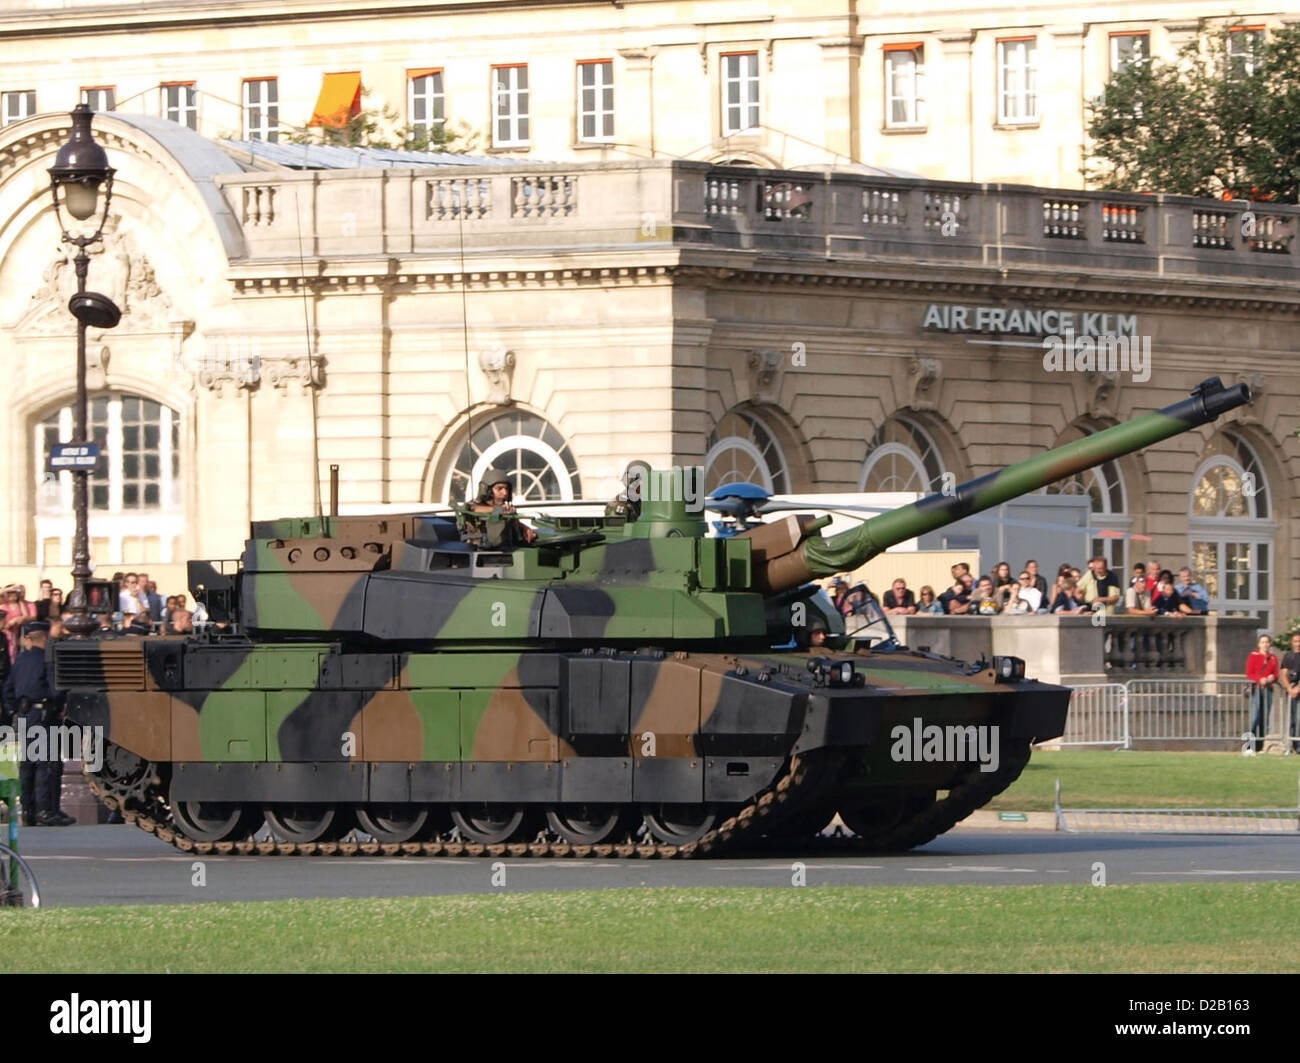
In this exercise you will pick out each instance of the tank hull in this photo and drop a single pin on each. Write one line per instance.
(260, 728)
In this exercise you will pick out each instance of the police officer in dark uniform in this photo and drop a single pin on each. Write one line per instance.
(28, 693)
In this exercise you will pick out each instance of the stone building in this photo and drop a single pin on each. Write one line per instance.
(947, 90)
(813, 331)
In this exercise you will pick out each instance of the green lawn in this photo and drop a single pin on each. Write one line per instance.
(1117, 779)
(1194, 927)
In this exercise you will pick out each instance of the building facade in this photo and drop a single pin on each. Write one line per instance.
(944, 90)
(810, 332)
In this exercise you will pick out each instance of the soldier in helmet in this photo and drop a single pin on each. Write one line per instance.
(628, 503)
(27, 692)
(497, 496)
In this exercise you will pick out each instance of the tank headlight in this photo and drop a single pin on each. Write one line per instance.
(845, 669)
(1009, 667)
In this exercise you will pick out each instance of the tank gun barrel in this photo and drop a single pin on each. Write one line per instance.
(815, 556)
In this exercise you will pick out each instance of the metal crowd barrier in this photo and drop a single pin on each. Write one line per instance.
(1176, 820)
(1120, 715)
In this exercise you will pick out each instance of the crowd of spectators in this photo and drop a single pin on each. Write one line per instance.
(141, 611)
(1151, 590)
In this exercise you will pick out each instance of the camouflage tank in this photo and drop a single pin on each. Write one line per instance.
(436, 685)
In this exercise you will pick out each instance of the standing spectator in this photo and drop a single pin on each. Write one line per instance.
(839, 589)
(1153, 574)
(956, 599)
(929, 604)
(182, 622)
(1137, 599)
(1290, 674)
(1038, 582)
(984, 601)
(17, 611)
(131, 601)
(1068, 598)
(1001, 575)
(899, 600)
(1166, 601)
(958, 570)
(1029, 593)
(152, 599)
(1012, 602)
(1100, 587)
(1195, 598)
(43, 602)
(1262, 671)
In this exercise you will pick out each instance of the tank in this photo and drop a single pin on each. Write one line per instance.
(438, 685)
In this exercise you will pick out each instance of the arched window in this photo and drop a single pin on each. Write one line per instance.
(1230, 530)
(901, 457)
(1103, 485)
(527, 448)
(741, 449)
(135, 491)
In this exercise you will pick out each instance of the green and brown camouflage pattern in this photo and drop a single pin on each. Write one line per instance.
(620, 663)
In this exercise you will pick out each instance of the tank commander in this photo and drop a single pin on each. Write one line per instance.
(628, 502)
(497, 497)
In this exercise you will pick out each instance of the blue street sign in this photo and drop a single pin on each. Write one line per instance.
(72, 456)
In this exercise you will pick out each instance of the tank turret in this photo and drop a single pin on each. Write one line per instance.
(643, 571)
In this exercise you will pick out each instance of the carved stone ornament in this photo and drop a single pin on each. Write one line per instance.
(118, 269)
(97, 367)
(926, 374)
(248, 372)
(1101, 400)
(1258, 386)
(764, 375)
(498, 365)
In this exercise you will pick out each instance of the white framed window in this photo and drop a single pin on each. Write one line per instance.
(528, 449)
(596, 100)
(179, 102)
(741, 449)
(100, 97)
(1127, 49)
(134, 493)
(904, 85)
(739, 92)
(424, 102)
(1244, 46)
(17, 105)
(262, 109)
(1018, 81)
(510, 107)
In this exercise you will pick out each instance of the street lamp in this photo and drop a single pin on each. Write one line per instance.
(80, 167)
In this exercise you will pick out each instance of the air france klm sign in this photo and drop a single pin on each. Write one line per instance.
(1026, 321)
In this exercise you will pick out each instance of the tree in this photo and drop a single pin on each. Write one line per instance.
(1220, 120)
(373, 127)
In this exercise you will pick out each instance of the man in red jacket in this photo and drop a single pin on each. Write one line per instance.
(1262, 671)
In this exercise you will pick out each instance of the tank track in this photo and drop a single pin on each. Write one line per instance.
(808, 780)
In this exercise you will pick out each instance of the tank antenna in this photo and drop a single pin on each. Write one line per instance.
(311, 362)
(461, 195)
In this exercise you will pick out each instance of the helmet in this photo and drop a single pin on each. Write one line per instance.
(492, 477)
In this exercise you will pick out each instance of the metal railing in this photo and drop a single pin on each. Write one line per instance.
(1176, 820)
(1170, 710)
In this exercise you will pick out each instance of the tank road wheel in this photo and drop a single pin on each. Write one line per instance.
(873, 820)
(588, 824)
(308, 823)
(493, 824)
(679, 824)
(397, 823)
(215, 821)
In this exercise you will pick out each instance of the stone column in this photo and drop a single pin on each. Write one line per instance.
(1062, 90)
(842, 120)
(634, 99)
(958, 129)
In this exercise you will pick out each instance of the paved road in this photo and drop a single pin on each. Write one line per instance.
(122, 865)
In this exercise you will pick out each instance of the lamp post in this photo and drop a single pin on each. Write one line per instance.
(80, 167)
